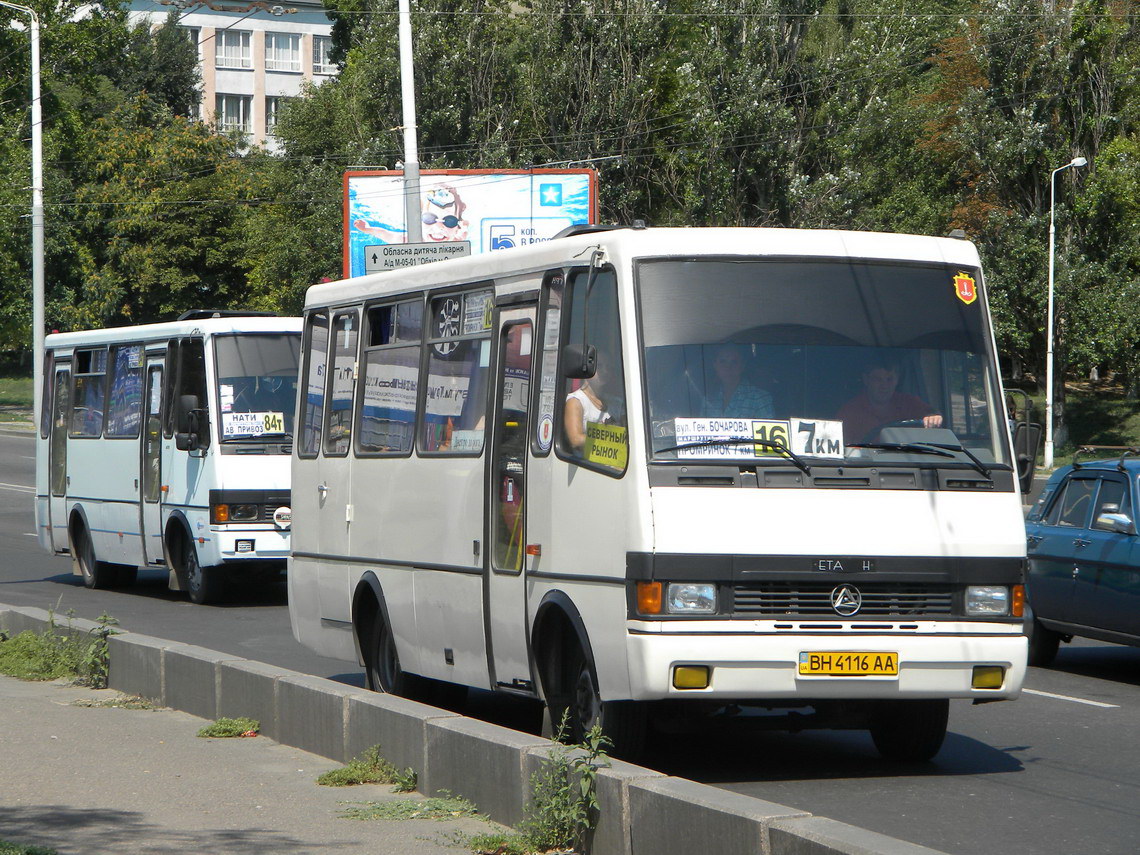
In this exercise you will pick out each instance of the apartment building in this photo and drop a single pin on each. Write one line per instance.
(253, 57)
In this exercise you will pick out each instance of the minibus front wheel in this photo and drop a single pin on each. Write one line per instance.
(622, 722)
(910, 730)
(203, 584)
(95, 573)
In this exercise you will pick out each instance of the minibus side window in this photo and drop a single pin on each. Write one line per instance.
(459, 359)
(313, 402)
(46, 394)
(192, 374)
(593, 427)
(542, 437)
(338, 428)
(90, 390)
(386, 418)
(124, 411)
(168, 381)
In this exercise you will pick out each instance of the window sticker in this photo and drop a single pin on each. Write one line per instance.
(965, 287)
(713, 437)
(476, 312)
(606, 445)
(226, 393)
(252, 424)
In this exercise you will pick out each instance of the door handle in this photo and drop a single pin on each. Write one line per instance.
(1080, 541)
(1034, 539)
(323, 490)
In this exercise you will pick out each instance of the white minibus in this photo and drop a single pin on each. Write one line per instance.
(648, 475)
(167, 446)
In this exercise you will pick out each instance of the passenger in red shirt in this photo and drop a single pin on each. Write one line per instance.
(880, 403)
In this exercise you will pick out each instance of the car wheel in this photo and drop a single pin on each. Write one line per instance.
(1043, 644)
(911, 731)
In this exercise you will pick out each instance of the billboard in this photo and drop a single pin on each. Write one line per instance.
(482, 209)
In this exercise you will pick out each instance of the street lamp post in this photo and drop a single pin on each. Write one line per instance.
(1076, 162)
(37, 214)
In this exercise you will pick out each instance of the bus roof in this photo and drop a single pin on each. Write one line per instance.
(628, 243)
(173, 329)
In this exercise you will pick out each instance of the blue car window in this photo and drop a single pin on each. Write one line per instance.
(1112, 499)
(1076, 504)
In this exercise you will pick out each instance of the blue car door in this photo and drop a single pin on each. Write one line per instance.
(1106, 591)
(1055, 544)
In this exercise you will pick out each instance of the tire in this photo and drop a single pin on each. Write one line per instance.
(910, 731)
(203, 584)
(1043, 644)
(96, 573)
(582, 707)
(384, 672)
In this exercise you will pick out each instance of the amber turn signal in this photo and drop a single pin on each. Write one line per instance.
(649, 598)
(1017, 604)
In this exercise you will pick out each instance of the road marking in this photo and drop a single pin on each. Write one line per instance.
(22, 488)
(1074, 700)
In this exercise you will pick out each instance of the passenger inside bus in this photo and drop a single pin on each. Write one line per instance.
(881, 403)
(584, 405)
(732, 396)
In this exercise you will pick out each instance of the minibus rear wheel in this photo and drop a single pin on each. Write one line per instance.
(96, 573)
(384, 673)
(911, 731)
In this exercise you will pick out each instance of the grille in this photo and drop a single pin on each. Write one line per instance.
(808, 599)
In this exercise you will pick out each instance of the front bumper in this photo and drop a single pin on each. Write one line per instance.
(764, 665)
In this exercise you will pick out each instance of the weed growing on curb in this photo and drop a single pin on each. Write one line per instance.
(7, 848)
(564, 801)
(439, 808)
(55, 653)
(369, 768)
(227, 728)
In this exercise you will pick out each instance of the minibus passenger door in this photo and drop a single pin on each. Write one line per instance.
(150, 451)
(506, 579)
(61, 409)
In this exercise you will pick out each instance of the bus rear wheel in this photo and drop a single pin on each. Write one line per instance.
(96, 573)
(384, 672)
(911, 731)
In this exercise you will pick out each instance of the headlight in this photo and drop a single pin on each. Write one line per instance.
(244, 512)
(987, 600)
(689, 598)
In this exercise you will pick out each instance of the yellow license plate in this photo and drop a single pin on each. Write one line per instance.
(828, 663)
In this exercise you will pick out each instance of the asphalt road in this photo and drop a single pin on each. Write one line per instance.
(1057, 771)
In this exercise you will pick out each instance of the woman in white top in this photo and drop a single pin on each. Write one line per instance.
(584, 405)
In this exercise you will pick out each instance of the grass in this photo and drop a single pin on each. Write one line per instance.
(438, 808)
(7, 848)
(16, 391)
(55, 654)
(119, 702)
(230, 728)
(369, 768)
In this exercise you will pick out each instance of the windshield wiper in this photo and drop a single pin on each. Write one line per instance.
(736, 440)
(981, 467)
(938, 448)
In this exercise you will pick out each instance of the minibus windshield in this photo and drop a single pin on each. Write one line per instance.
(257, 384)
(860, 362)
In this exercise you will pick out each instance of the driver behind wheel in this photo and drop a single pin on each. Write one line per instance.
(881, 403)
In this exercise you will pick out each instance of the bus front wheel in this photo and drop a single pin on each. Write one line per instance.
(202, 583)
(911, 731)
(579, 709)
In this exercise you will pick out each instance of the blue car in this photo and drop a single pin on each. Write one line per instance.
(1084, 557)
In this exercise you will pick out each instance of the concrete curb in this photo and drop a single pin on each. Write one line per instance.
(642, 812)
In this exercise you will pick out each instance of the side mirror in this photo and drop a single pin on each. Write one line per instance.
(1118, 523)
(1026, 438)
(579, 362)
(191, 426)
